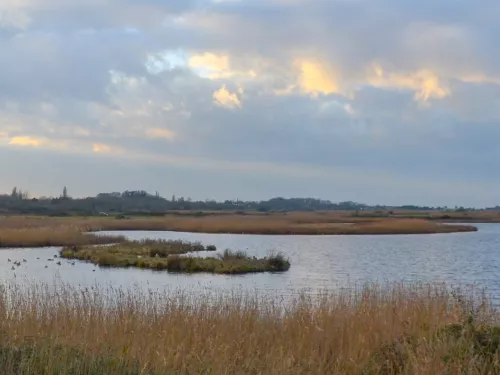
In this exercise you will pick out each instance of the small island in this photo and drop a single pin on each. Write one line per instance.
(171, 256)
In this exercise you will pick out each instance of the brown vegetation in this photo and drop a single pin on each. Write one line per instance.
(394, 330)
(295, 223)
(51, 236)
(32, 231)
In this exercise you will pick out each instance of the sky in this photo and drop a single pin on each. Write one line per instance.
(374, 101)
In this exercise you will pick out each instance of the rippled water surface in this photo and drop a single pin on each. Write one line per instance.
(318, 262)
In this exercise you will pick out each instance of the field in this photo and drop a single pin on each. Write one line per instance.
(35, 231)
(392, 329)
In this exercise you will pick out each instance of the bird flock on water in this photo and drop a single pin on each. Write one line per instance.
(18, 263)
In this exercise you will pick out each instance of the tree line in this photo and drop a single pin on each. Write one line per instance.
(135, 202)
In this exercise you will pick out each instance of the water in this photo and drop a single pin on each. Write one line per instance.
(318, 262)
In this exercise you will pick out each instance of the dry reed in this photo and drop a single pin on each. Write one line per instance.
(52, 236)
(25, 231)
(374, 330)
(279, 224)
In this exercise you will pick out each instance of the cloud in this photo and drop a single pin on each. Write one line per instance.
(25, 141)
(101, 148)
(160, 133)
(424, 83)
(315, 78)
(210, 64)
(348, 89)
(225, 98)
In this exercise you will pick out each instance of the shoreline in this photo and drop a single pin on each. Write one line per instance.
(382, 227)
(469, 229)
(34, 232)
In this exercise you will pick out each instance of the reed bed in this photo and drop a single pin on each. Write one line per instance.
(280, 224)
(25, 231)
(166, 255)
(397, 329)
(52, 236)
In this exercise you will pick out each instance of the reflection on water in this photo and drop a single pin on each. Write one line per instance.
(318, 262)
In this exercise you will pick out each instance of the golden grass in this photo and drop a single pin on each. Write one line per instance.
(373, 330)
(51, 236)
(26, 231)
(280, 224)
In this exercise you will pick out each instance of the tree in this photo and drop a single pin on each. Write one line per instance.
(22, 195)
(14, 192)
(65, 193)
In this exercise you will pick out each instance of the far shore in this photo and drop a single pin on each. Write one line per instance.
(40, 231)
(399, 227)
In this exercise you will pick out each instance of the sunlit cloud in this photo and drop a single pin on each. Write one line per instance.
(101, 148)
(225, 98)
(361, 85)
(209, 64)
(25, 141)
(423, 82)
(317, 78)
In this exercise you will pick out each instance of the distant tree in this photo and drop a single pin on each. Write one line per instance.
(22, 195)
(64, 193)
(14, 192)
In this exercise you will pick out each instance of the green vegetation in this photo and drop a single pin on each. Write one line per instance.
(140, 202)
(56, 359)
(165, 255)
(228, 263)
(146, 253)
(143, 203)
(456, 344)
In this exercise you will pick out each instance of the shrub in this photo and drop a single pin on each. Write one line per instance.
(278, 262)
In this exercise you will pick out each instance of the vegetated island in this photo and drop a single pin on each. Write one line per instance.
(168, 255)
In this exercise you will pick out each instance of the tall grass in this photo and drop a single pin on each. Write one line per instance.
(373, 330)
(281, 224)
(229, 262)
(43, 231)
(52, 236)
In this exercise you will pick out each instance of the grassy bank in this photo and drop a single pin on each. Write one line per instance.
(394, 330)
(52, 236)
(293, 224)
(25, 231)
(165, 255)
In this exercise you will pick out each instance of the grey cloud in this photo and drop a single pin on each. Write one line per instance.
(379, 137)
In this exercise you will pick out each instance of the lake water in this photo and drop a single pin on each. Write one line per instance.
(317, 262)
